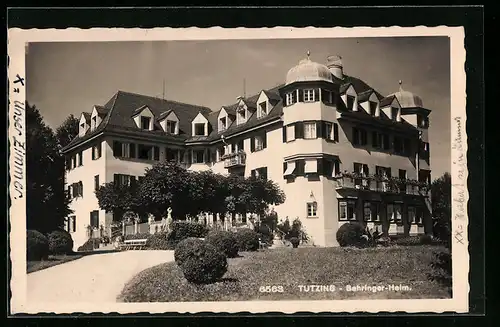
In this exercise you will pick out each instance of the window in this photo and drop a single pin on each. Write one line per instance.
(407, 146)
(242, 116)
(371, 211)
(384, 140)
(198, 156)
(77, 189)
(199, 129)
(424, 176)
(262, 109)
(419, 215)
(375, 139)
(145, 152)
(412, 214)
(311, 166)
(329, 131)
(259, 173)
(394, 114)
(171, 127)
(94, 219)
(221, 151)
(96, 151)
(373, 108)
(398, 145)
(289, 168)
(82, 129)
(383, 171)
(347, 209)
(327, 96)
(312, 209)
(96, 182)
(422, 121)
(222, 124)
(359, 136)
(424, 150)
(394, 212)
(309, 95)
(402, 174)
(291, 98)
(290, 133)
(240, 146)
(171, 154)
(145, 122)
(350, 102)
(94, 122)
(70, 224)
(80, 158)
(260, 142)
(310, 130)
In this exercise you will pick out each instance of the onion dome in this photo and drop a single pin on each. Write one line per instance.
(307, 71)
(407, 99)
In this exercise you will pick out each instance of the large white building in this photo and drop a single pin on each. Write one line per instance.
(340, 150)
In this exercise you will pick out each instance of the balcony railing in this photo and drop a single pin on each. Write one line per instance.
(381, 184)
(237, 159)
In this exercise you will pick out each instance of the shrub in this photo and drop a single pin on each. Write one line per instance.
(185, 248)
(351, 234)
(224, 241)
(265, 233)
(60, 242)
(182, 230)
(295, 242)
(414, 240)
(441, 267)
(247, 240)
(139, 236)
(426, 239)
(160, 241)
(37, 245)
(203, 263)
(90, 245)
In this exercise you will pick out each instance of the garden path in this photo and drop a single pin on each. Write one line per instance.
(93, 278)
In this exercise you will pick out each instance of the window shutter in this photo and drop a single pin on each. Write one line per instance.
(316, 94)
(321, 166)
(284, 134)
(252, 144)
(252, 173)
(116, 179)
(74, 223)
(99, 149)
(117, 148)
(81, 188)
(319, 129)
(264, 140)
(335, 132)
(156, 153)
(69, 191)
(214, 155)
(301, 165)
(366, 171)
(301, 95)
(132, 151)
(94, 150)
(299, 130)
(364, 138)
(133, 181)
(284, 167)
(264, 172)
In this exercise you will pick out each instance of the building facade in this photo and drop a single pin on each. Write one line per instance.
(340, 150)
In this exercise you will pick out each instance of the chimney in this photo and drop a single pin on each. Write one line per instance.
(334, 64)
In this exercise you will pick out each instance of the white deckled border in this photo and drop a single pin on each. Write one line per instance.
(17, 39)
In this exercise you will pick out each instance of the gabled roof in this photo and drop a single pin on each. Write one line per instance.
(387, 100)
(164, 114)
(359, 85)
(86, 115)
(365, 96)
(101, 110)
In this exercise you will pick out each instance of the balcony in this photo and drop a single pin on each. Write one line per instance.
(352, 181)
(237, 159)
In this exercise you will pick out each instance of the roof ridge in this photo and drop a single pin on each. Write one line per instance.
(166, 100)
(256, 94)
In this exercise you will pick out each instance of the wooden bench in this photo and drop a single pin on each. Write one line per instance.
(133, 244)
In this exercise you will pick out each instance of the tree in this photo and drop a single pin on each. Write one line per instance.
(47, 201)
(67, 130)
(441, 207)
(259, 193)
(119, 199)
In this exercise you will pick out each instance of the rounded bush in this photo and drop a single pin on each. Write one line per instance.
(90, 245)
(185, 248)
(426, 239)
(295, 242)
(37, 245)
(203, 263)
(265, 233)
(351, 234)
(60, 242)
(183, 229)
(247, 240)
(224, 241)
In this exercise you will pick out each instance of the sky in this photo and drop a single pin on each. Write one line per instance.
(71, 77)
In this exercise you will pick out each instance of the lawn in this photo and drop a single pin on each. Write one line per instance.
(53, 260)
(288, 268)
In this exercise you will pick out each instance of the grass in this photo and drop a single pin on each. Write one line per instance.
(53, 260)
(411, 266)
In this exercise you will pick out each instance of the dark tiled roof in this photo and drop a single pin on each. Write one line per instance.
(101, 111)
(387, 100)
(382, 120)
(164, 114)
(359, 85)
(87, 116)
(362, 97)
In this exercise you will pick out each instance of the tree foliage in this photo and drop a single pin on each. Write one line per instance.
(119, 199)
(67, 130)
(47, 201)
(441, 207)
(168, 185)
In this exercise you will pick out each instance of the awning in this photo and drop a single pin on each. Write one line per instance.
(311, 166)
(290, 168)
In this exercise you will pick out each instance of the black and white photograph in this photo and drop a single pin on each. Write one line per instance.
(320, 169)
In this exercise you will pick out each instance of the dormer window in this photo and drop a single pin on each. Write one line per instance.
(262, 109)
(145, 122)
(373, 108)
(422, 121)
(171, 127)
(222, 123)
(93, 123)
(350, 102)
(199, 129)
(394, 114)
(241, 116)
(82, 129)
(309, 95)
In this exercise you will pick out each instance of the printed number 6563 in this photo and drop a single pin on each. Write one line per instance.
(271, 289)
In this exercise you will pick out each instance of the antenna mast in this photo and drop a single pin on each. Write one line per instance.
(163, 94)
(244, 88)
